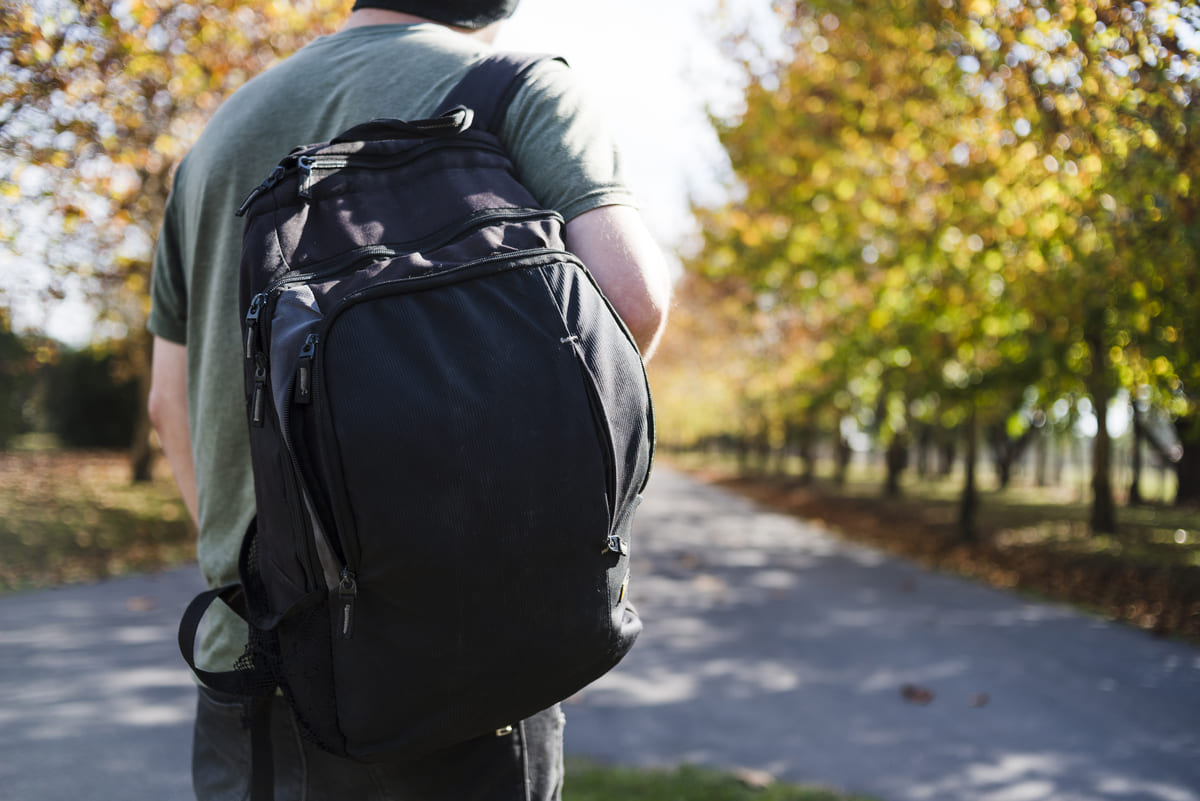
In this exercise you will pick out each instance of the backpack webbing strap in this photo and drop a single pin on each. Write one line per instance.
(234, 682)
(490, 85)
(255, 686)
(262, 754)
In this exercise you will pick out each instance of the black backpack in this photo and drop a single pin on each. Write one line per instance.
(450, 431)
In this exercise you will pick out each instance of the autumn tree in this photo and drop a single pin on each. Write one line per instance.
(18, 368)
(1104, 97)
(863, 206)
(99, 99)
(969, 204)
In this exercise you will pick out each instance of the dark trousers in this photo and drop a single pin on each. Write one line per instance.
(525, 765)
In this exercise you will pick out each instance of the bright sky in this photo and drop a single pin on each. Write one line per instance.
(656, 67)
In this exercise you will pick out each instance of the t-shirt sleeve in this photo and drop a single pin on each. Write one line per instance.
(168, 286)
(561, 145)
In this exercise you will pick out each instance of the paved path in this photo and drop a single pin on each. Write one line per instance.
(768, 646)
(771, 646)
(95, 702)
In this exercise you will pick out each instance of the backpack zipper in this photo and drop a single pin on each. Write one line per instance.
(259, 398)
(347, 587)
(612, 542)
(301, 392)
(449, 276)
(352, 258)
(650, 421)
(302, 389)
(267, 185)
(253, 342)
(347, 593)
(306, 164)
(254, 352)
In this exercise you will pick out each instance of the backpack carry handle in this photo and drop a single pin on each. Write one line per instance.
(234, 682)
(450, 123)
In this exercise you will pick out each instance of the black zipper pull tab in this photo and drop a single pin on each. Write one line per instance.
(256, 305)
(259, 399)
(275, 177)
(304, 370)
(305, 165)
(347, 592)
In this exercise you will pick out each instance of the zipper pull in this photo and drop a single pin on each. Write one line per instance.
(347, 592)
(304, 370)
(274, 178)
(305, 165)
(614, 544)
(259, 398)
(256, 305)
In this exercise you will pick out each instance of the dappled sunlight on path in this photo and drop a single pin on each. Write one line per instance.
(772, 645)
(94, 699)
(769, 645)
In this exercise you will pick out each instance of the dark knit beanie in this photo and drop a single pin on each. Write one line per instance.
(471, 14)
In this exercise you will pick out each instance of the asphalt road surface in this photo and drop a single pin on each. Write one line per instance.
(770, 647)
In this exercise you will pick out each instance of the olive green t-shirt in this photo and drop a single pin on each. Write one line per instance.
(558, 144)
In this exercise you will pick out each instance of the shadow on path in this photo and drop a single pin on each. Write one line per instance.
(768, 645)
(771, 645)
(95, 702)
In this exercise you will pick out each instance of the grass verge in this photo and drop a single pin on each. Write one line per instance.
(68, 517)
(588, 781)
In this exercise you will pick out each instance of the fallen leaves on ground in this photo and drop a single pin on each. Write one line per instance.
(1064, 562)
(76, 516)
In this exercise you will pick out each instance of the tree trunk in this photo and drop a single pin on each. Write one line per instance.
(808, 455)
(896, 459)
(1187, 468)
(1062, 454)
(762, 453)
(969, 504)
(1008, 452)
(949, 451)
(841, 459)
(141, 451)
(1002, 454)
(742, 445)
(777, 454)
(924, 443)
(1183, 459)
(1041, 458)
(1135, 457)
(1104, 509)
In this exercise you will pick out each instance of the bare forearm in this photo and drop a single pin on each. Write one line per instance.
(169, 414)
(177, 447)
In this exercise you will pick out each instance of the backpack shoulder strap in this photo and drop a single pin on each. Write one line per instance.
(490, 85)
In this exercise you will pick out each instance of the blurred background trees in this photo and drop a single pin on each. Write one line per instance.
(99, 99)
(964, 222)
